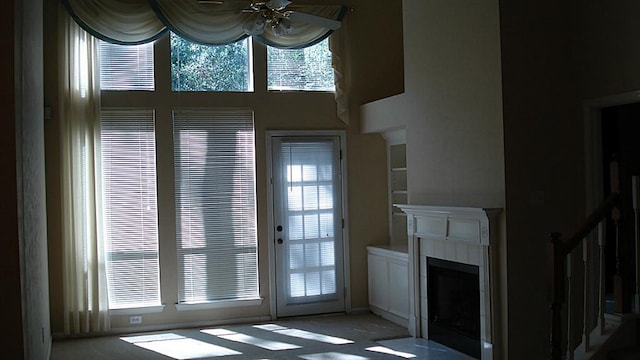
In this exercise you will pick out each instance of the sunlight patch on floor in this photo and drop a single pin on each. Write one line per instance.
(422, 349)
(386, 350)
(179, 347)
(333, 356)
(303, 334)
(251, 340)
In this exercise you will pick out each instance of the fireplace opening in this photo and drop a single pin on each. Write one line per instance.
(453, 298)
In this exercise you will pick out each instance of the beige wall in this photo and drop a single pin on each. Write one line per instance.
(366, 153)
(543, 146)
(606, 47)
(454, 126)
(552, 62)
(554, 55)
(451, 108)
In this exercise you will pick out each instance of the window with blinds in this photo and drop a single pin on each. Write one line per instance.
(130, 212)
(126, 67)
(215, 205)
(307, 69)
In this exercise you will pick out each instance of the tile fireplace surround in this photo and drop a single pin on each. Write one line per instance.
(460, 234)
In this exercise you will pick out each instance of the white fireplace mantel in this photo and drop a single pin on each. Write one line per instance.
(462, 234)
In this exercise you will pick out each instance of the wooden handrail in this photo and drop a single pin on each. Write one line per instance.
(590, 223)
(558, 256)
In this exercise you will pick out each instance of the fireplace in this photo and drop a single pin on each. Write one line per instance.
(453, 250)
(453, 294)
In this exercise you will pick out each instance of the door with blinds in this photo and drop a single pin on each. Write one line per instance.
(308, 225)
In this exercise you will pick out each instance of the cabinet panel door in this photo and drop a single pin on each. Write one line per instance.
(378, 282)
(399, 289)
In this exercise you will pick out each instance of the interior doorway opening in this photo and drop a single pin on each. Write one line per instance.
(620, 129)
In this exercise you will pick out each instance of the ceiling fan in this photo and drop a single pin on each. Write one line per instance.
(275, 15)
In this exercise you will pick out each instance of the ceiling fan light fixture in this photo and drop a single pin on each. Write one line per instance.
(283, 26)
(254, 26)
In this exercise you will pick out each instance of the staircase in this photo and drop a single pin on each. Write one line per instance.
(584, 325)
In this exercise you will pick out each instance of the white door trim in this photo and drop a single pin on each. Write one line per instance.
(270, 218)
(592, 110)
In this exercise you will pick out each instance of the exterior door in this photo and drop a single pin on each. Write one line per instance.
(308, 224)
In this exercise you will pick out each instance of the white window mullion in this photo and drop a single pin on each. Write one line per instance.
(215, 205)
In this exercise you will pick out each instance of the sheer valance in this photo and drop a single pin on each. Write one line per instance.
(141, 21)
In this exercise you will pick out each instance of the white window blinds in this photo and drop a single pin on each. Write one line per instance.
(130, 220)
(126, 67)
(215, 205)
(307, 69)
(309, 199)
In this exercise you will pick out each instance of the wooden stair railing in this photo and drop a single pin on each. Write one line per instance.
(561, 249)
(560, 256)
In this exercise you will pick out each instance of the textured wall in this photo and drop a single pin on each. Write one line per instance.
(552, 62)
(25, 306)
(31, 182)
(451, 109)
(10, 303)
(452, 104)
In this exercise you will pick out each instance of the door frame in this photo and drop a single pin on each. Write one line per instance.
(592, 110)
(341, 134)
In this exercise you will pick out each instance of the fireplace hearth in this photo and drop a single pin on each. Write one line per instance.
(453, 294)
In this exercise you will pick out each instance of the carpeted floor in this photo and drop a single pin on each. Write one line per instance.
(344, 337)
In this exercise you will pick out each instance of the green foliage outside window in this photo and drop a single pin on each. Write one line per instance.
(196, 67)
(307, 69)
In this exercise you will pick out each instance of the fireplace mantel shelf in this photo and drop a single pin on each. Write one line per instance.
(460, 234)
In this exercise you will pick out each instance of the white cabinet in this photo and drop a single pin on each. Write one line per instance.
(389, 283)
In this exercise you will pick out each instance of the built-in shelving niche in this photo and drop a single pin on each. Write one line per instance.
(397, 162)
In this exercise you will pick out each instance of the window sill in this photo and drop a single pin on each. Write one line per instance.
(137, 310)
(218, 304)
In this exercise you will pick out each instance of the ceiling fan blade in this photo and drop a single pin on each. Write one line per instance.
(278, 4)
(314, 20)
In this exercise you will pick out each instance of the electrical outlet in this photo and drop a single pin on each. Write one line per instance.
(136, 319)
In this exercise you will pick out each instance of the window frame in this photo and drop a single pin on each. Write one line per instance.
(163, 100)
(219, 124)
(131, 113)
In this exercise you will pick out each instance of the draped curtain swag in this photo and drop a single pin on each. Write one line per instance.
(84, 284)
(141, 21)
(131, 22)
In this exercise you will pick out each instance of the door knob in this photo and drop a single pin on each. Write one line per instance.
(279, 228)
(279, 241)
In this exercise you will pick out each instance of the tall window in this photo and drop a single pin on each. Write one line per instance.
(215, 205)
(207, 156)
(212, 169)
(130, 211)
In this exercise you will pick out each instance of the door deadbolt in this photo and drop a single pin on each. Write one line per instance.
(279, 228)
(279, 241)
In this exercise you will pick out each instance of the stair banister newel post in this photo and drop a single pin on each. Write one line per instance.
(557, 294)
